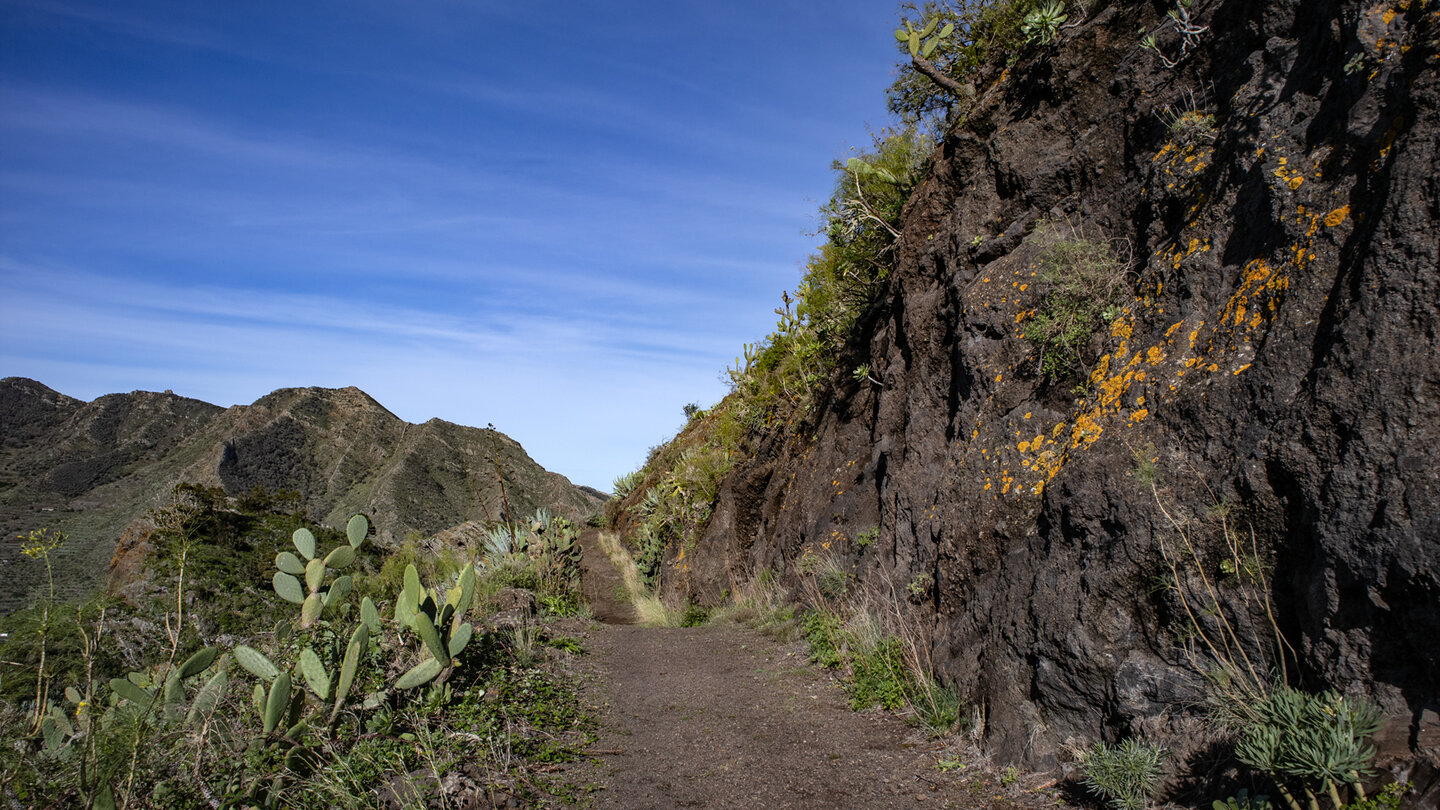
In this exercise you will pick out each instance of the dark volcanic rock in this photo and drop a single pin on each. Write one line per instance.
(1279, 357)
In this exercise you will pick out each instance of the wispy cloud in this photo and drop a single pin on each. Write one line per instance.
(562, 223)
(232, 346)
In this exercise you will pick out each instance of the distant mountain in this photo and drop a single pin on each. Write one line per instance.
(91, 468)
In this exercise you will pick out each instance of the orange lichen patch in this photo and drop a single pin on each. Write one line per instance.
(1086, 431)
(1295, 182)
(1154, 356)
(1171, 330)
(1260, 281)
(1212, 368)
(1240, 369)
(1337, 216)
(1139, 415)
(1387, 141)
(1122, 328)
(1101, 368)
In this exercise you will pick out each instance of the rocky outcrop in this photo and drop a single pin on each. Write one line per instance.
(90, 469)
(1273, 201)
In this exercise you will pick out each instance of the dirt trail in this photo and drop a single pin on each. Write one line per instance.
(601, 583)
(724, 717)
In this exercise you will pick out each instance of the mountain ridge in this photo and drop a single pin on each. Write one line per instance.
(91, 468)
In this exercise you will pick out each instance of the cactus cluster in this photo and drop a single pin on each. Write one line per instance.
(548, 541)
(442, 628)
(924, 41)
(316, 596)
(281, 705)
(555, 549)
(304, 688)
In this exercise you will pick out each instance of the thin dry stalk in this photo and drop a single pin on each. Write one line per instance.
(1235, 676)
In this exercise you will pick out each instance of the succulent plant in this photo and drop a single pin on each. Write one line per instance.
(442, 629)
(922, 44)
(1043, 24)
(312, 595)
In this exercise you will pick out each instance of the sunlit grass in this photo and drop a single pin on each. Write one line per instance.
(650, 610)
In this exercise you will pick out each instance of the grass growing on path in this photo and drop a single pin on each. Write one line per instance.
(650, 610)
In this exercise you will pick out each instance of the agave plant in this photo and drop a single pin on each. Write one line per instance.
(1128, 774)
(1043, 24)
(1319, 740)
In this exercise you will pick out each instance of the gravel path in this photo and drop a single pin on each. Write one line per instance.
(725, 717)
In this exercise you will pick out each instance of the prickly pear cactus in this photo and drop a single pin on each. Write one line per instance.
(303, 582)
(441, 628)
(923, 42)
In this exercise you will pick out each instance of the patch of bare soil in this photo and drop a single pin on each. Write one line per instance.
(725, 717)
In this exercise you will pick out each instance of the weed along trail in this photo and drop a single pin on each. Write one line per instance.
(725, 717)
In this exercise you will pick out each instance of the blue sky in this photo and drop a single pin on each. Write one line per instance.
(564, 219)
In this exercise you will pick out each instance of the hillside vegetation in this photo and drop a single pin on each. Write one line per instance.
(92, 470)
(270, 662)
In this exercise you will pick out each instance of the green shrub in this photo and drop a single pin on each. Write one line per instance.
(824, 632)
(1127, 775)
(514, 572)
(878, 673)
(412, 551)
(880, 676)
(1084, 286)
(840, 283)
(866, 538)
(694, 615)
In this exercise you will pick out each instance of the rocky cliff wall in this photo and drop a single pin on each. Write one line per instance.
(1274, 199)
